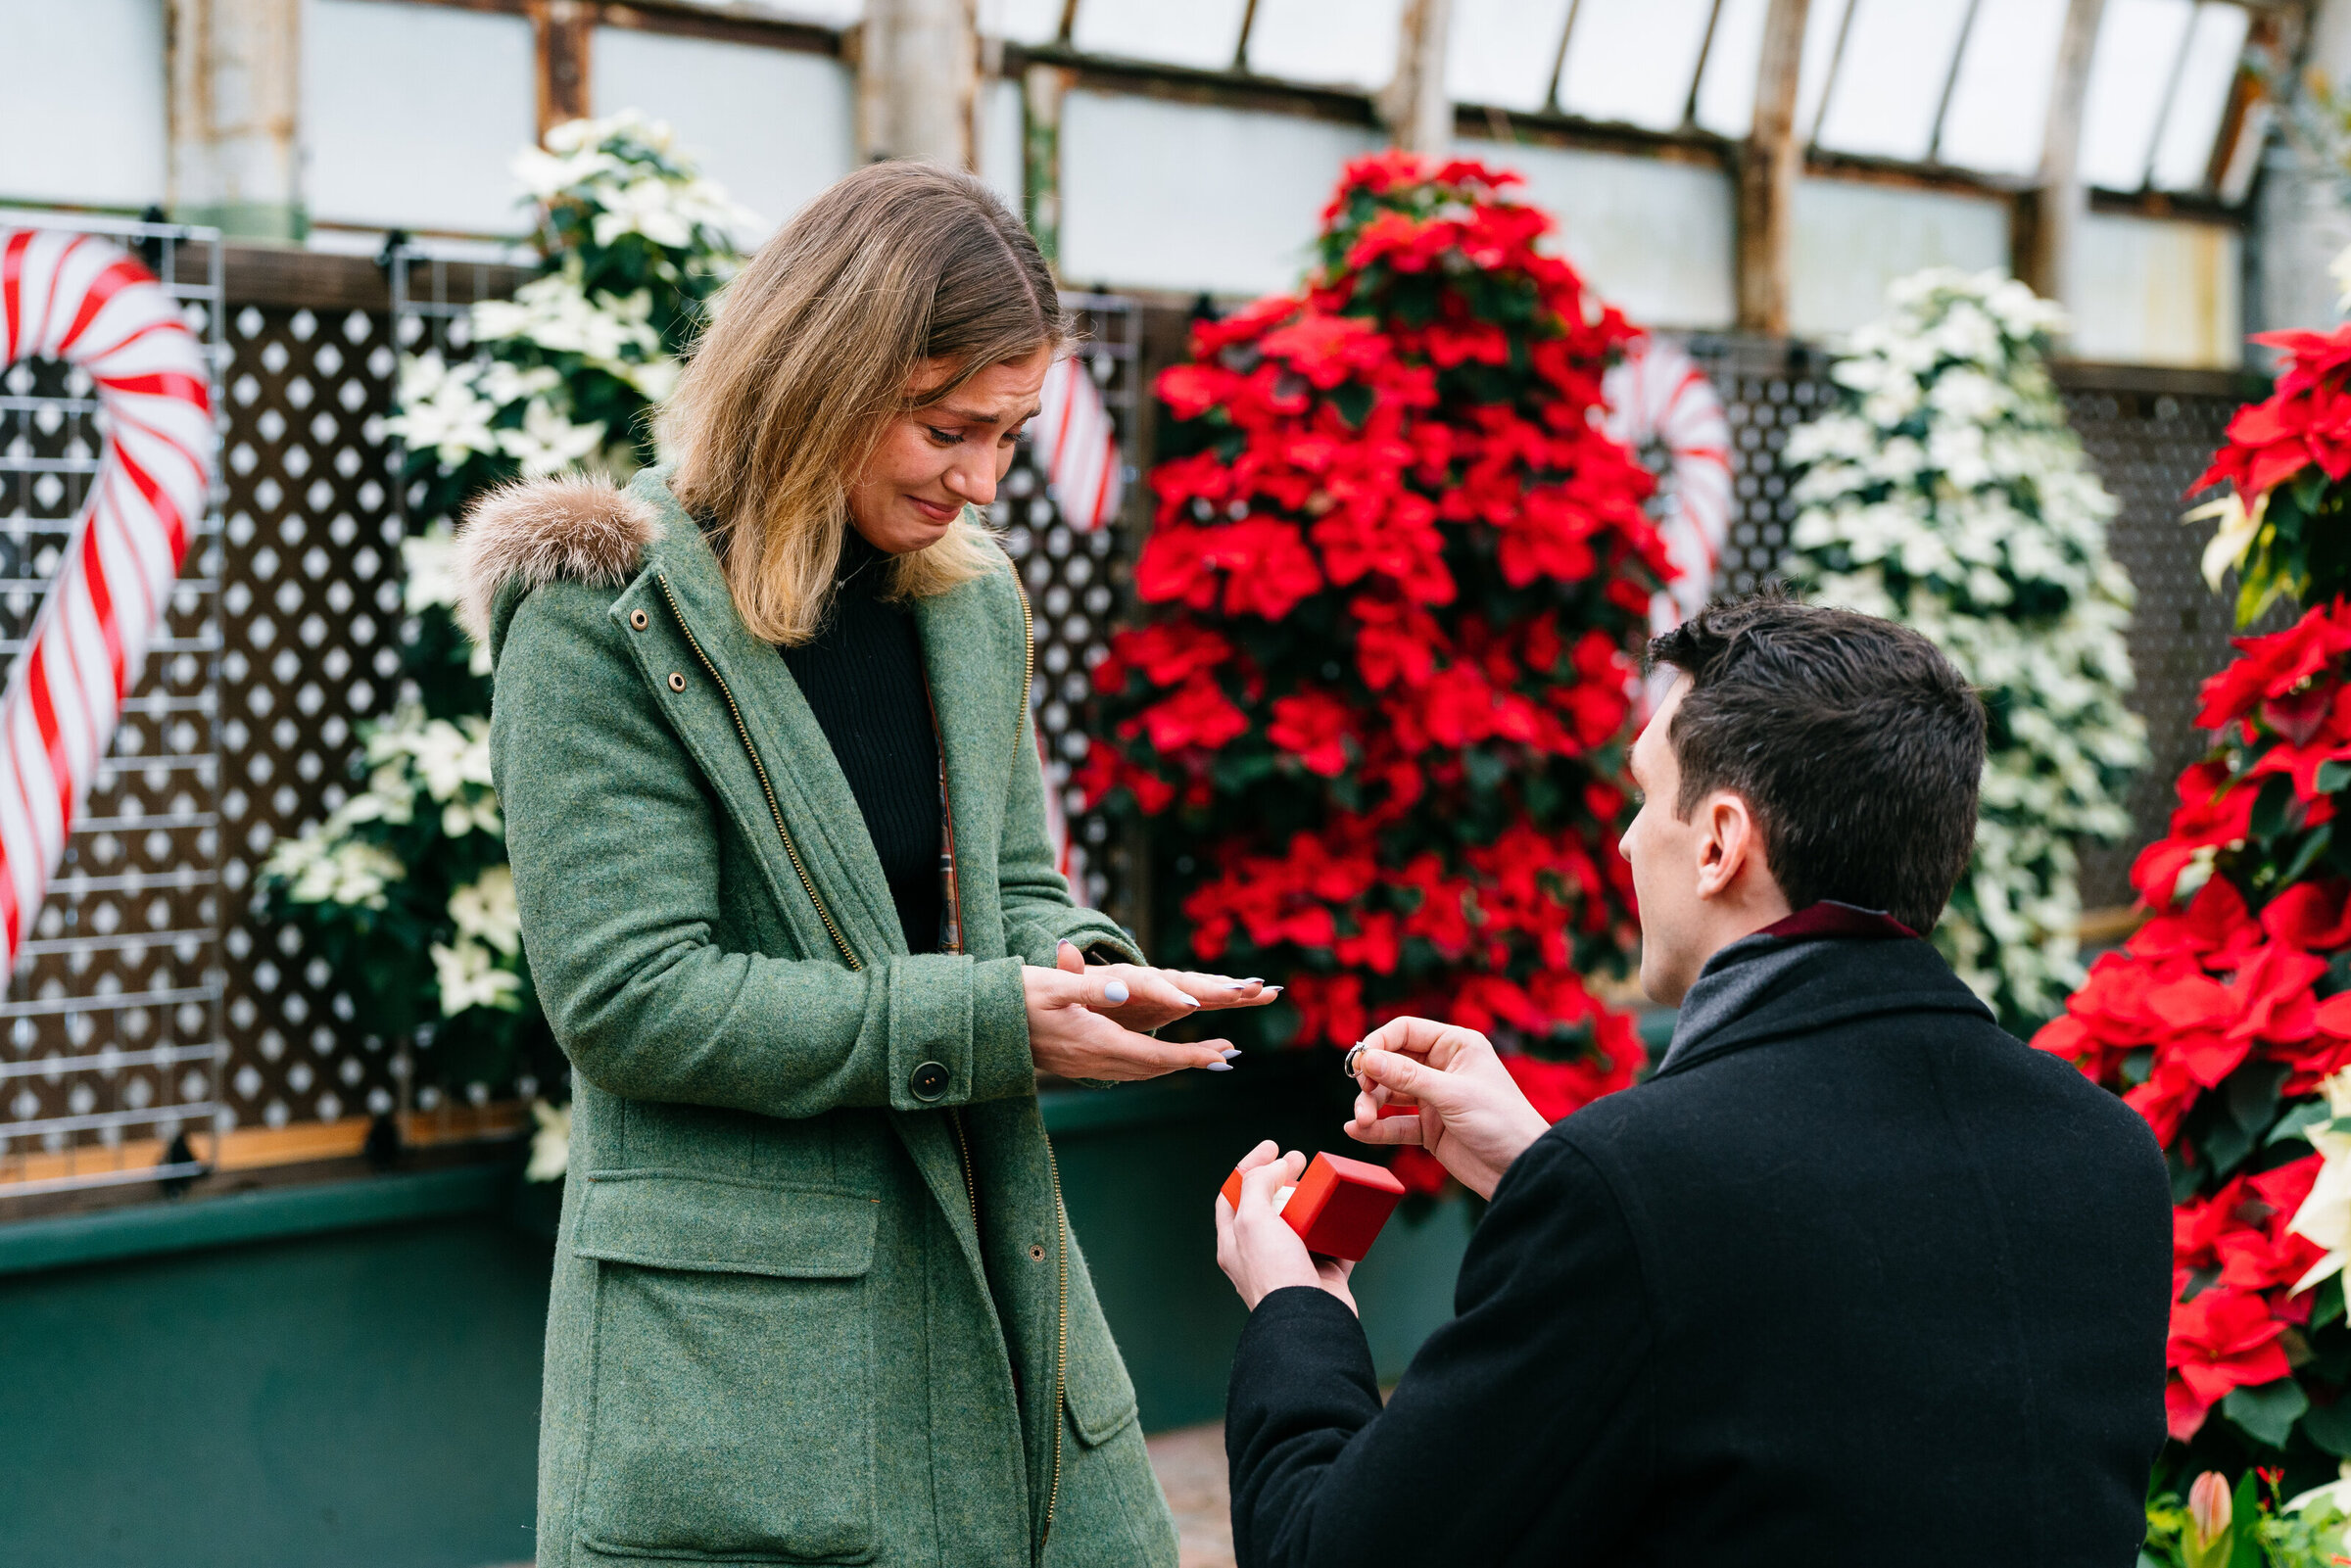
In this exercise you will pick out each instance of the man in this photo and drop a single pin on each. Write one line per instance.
(1854, 1278)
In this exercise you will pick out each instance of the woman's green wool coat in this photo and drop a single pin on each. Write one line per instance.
(816, 1299)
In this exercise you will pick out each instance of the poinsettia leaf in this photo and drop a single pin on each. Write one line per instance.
(2273, 808)
(2327, 1301)
(2312, 847)
(2333, 777)
(2225, 1145)
(2297, 1122)
(2329, 1425)
(2267, 1414)
(2251, 1095)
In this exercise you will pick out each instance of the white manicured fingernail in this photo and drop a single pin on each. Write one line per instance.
(1113, 991)
(1190, 1001)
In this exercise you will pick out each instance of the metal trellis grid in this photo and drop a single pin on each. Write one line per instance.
(110, 1065)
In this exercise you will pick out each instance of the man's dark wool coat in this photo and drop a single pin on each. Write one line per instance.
(1857, 1279)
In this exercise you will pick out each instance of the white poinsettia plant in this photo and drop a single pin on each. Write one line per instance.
(404, 888)
(1945, 489)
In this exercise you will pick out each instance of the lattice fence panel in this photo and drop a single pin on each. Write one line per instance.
(2149, 446)
(1077, 588)
(109, 1033)
(313, 610)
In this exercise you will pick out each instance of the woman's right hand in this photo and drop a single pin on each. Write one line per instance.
(1068, 1037)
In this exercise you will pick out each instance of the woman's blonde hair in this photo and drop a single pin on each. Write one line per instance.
(807, 361)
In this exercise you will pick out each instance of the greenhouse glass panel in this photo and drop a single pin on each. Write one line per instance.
(1501, 51)
(1726, 91)
(1202, 33)
(1897, 54)
(2000, 106)
(1824, 26)
(1349, 44)
(2130, 77)
(773, 125)
(828, 13)
(2215, 47)
(1632, 60)
(1029, 22)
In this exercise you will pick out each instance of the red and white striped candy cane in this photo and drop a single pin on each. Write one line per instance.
(1659, 398)
(66, 295)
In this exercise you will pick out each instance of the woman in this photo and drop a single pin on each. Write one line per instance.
(762, 735)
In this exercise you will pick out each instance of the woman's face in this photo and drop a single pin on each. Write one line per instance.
(933, 461)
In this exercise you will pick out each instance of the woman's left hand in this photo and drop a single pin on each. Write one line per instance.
(1157, 996)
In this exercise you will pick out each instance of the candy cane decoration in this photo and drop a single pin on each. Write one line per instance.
(1657, 397)
(66, 295)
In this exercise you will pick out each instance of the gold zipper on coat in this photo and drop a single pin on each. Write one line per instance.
(1028, 643)
(1061, 1349)
(963, 1144)
(848, 954)
(1061, 1221)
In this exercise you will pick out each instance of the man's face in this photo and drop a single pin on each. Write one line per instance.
(1664, 852)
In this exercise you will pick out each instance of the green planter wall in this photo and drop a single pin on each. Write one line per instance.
(346, 1376)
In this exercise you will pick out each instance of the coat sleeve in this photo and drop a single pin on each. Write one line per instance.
(615, 850)
(1521, 1431)
(1038, 913)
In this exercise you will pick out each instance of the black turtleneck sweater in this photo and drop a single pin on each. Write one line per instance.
(863, 677)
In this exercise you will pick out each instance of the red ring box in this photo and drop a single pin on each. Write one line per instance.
(1338, 1207)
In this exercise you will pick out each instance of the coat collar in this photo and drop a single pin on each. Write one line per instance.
(975, 697)
(811, 790)
(1816, 982)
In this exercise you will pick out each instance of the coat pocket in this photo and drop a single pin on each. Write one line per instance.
(733, 1418)
(1100, 1394)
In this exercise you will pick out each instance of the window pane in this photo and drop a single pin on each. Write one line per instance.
(772, 126)
(1889, 85)
(2183, 151)
(1822, 25)
(1204, 33)
(832, 12)
(1021, 20)
(2000, 101)
(1501, 51)
(1349, 42)
(412, 114)
(2138, 44)
(1632, 60)
(1726, 96)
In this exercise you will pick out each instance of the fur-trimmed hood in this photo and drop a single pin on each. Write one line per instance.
(542, 530)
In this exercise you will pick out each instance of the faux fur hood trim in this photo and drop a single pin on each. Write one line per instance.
(544, 531)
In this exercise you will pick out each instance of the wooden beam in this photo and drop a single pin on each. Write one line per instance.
(1042, 89)
(917, 79)
(2054, 208)
(1416, 106)
(234, 74)
(562, 30)
(1769, 165)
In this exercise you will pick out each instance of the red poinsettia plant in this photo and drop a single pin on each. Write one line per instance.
(1398, 579)
(2220, 1017)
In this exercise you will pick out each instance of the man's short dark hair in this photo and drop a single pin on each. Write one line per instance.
(1855, 742)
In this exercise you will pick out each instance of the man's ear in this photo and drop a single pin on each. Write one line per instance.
(1727, 844)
